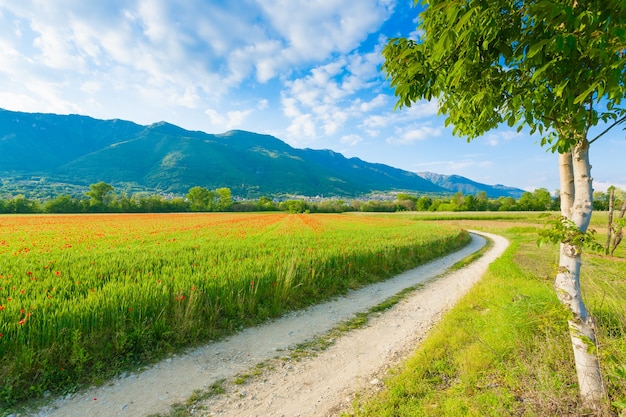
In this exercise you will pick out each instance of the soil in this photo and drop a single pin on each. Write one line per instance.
(260, 373)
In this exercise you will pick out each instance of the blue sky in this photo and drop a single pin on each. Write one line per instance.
(305, 71)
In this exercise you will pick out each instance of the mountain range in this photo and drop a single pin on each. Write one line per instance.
(79, 150)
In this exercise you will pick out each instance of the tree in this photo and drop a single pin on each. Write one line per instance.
(423, 203)
(62, 204)
(482, 201)
(552, 66)
(615, 228)
(199, 198)
(293, 206)
(21, 204)
(100, 195)
(224, 199)
(405, 202)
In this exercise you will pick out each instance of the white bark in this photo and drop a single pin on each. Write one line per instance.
(609, 229)
(576, 205)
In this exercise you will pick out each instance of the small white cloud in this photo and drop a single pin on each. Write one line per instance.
(604, 186)
(351, 140)
(301, 129)
(423, 109)
(378, 101)
(262, 104)
(493, 139)
(452, 167)
(378, 121)
(189, 98)
(91, 87)
(230, 120)
(290, 107)
(409, 135)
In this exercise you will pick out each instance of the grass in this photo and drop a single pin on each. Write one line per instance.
(85, 297)
(504, 349)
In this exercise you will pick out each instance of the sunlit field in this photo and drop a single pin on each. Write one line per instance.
(505, 348)
(84, 296)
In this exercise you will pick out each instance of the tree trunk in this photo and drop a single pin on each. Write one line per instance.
(576, 205)
(617, 237)
(610, 227)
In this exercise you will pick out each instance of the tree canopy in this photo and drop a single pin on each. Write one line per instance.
(556, 67)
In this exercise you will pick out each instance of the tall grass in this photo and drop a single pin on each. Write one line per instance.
(505, 348)
(82, 297)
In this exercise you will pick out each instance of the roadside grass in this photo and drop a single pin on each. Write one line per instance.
(505, 349)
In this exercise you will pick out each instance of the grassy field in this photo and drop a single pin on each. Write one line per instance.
(85, 296)
(504, 349)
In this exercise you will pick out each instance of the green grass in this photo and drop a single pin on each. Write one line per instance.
(505, 349)
(84, 297)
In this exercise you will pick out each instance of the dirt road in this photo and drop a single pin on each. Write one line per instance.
(317, 385)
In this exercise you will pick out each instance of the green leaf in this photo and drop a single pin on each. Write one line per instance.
(537, 74)
(583, 96)
(536, 48)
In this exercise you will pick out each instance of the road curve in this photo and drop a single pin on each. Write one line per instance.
(323, 383)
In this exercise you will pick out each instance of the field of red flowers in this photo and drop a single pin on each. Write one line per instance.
(84, 296)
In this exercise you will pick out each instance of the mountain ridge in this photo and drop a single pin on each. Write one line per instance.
(467, 186)
(165, 158)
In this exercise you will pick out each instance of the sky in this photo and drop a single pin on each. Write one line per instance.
(305, 71)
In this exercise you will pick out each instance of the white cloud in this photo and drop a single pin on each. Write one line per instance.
(339, 92)
(378, 101)
(379, 121)
(301, 129)
(418, 111)
(227, 121)
(494, 139)
(351, 140)
(453, 166)
(314, 29)
(290, 107)
(191, 54)
(423, 109)
(604, 186)
(91, 87)
(410, 134)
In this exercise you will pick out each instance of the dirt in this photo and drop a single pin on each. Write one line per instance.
(322, 384)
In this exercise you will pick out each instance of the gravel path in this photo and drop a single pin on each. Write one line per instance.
(318, 385)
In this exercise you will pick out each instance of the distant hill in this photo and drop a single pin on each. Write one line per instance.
(457, 183)
(79, 150)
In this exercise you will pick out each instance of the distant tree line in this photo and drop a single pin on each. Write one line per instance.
(102, 198)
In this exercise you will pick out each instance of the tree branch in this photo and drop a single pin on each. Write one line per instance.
(607, 129)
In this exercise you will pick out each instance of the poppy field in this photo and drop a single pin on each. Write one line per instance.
(85, 296)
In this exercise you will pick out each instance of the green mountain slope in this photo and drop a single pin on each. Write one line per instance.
(166, 158)
(37, 141)
(457, 183)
